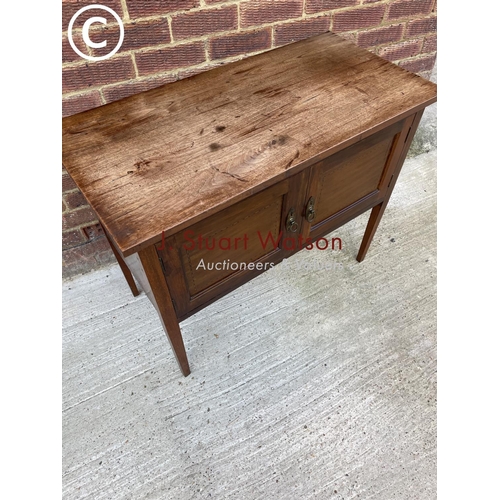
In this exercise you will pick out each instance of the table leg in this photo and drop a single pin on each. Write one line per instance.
(123, 266)
(371, 228)
(378, 210)
(160, 296)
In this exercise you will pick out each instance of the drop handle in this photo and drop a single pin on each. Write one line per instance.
(291, 222)
(310, 213)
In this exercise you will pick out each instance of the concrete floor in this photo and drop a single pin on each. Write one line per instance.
(306, 384)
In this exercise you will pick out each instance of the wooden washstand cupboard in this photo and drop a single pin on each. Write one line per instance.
(295, 141)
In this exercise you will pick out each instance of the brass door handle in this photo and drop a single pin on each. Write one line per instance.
(291, 223)
(310, 213)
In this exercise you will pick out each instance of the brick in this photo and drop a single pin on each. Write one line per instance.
(421, 26)
(256, 12)
(75, 200)
(122, 90)
(430, 44)
(92, 232)
(378, 36)
(71, 7)
(87, 257)
(402, 50)
(82, 102)
(314, 6)
(67, 183)
(408, 8)
(371, 1)
(68, 54)
(146, 8)
(363, 17)
(75, 218)
(138, 35)
(299, 30)
(417, 65)
(180, 56)
(204, 22)
(91, 74)
(240, 43)
(72, 239)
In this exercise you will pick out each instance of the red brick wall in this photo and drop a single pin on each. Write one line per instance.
(167, 40)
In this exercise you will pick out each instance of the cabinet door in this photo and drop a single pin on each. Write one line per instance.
(221, 252)
(350, 182)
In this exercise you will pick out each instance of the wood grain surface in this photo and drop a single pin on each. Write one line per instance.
(164, 159)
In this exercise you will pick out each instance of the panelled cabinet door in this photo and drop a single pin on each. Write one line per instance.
(352, 180)
(221, 252)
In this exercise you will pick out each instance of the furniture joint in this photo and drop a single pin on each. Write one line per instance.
(408, 134)
(162, 264)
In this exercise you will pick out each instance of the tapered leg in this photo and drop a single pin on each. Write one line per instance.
(371, 228)
(160, 296)
(377, 212)
(123, 266)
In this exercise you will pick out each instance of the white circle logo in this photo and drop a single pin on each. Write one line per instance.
(85, 32)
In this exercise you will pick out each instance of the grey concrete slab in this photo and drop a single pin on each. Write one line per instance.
(306, 384)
